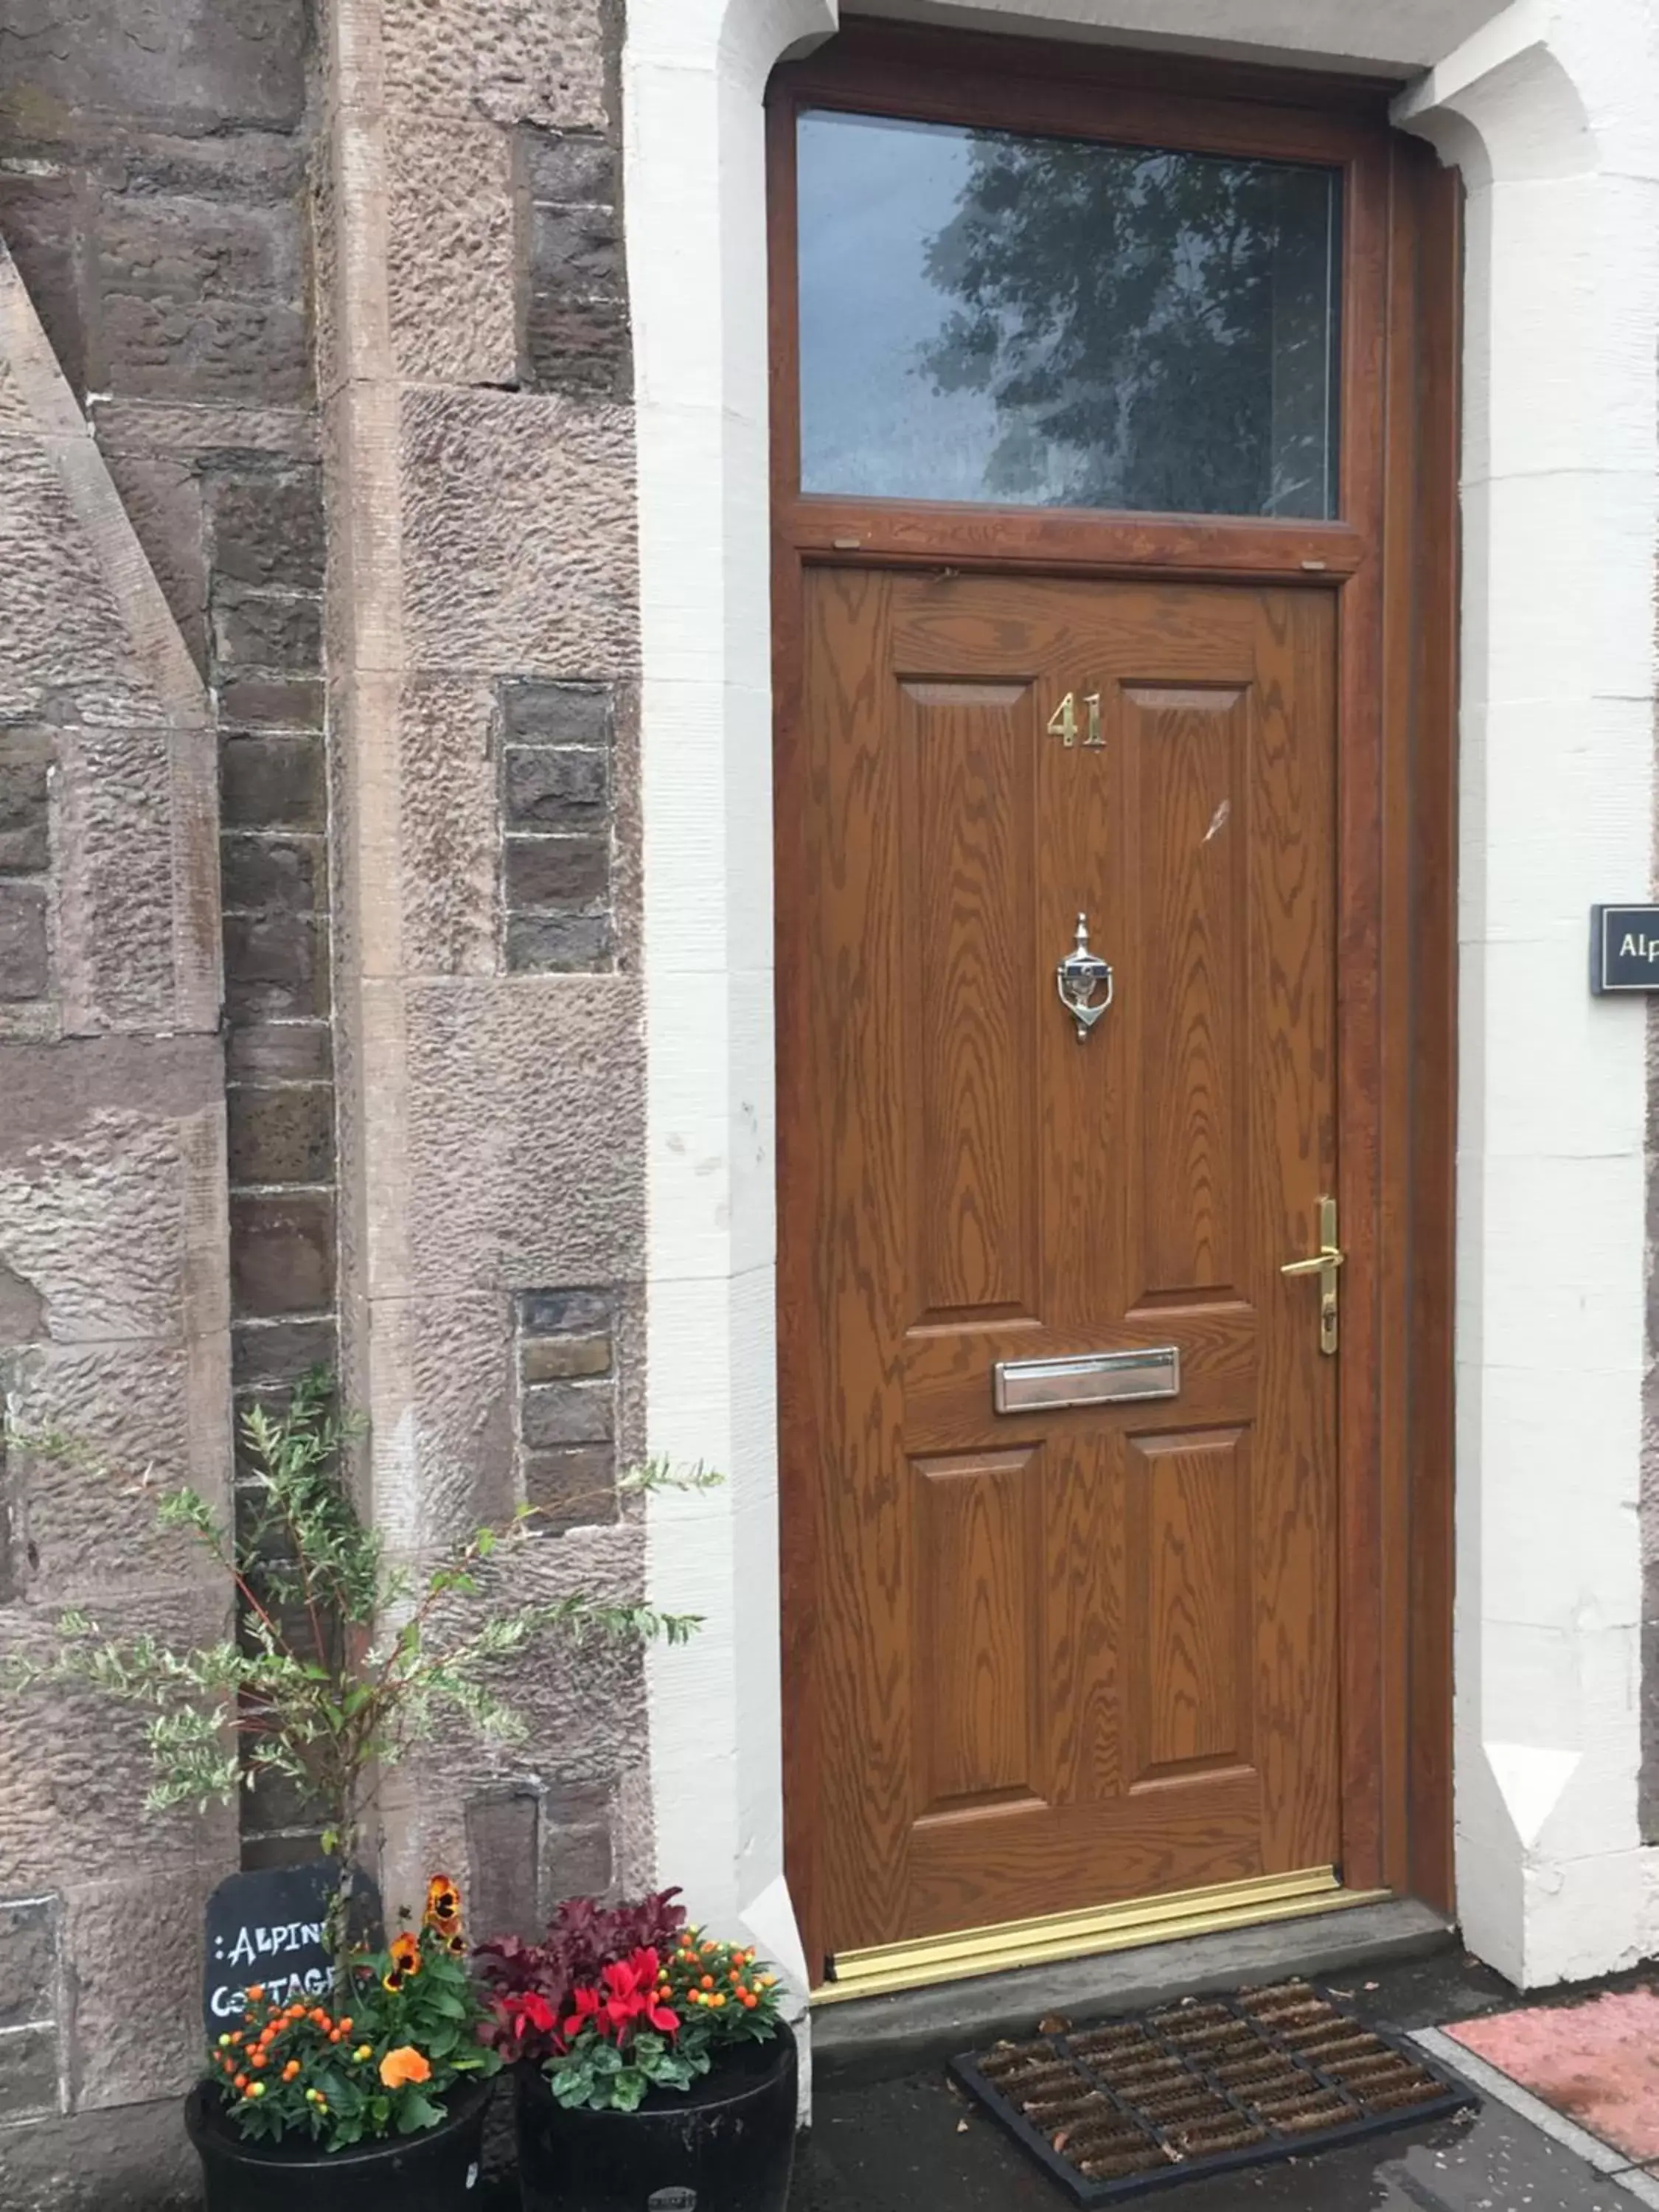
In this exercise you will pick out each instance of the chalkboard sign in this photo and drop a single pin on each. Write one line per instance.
(1623, 948)
(268, 1930)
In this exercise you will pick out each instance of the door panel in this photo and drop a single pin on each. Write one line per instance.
(1075, 1655)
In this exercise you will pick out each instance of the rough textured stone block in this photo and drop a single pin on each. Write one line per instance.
(284, 702)
(556, 787)
(264, 1352)
(25, 802)
(577, 250)
(257, 629)
(571, 1489)
(200, 65)
(40, 217)
(503, 1894)
(163, 499)
(280, 1052)
(269, 530)
(259, 872)
(110, 2063)
(562, 1358)
(577, 1854)
(534, 712)
(451, 253)
(557, 870)
(29, 2073)
(519, 532)
(566, 167)
(24, 972)
(554, 1414)
(245, 350)
(282, 1256)
(272, 783)
(578, 345)
(138, 2159)
(120, 893)
(281, 1136)
(448, 820)
(506, 59)
(547, 943)
(276, 964)
(28, 1960)
(564, 1313)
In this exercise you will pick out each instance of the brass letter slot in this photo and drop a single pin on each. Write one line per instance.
(1090, 1379)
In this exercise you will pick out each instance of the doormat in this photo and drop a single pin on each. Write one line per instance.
(1202, 2087)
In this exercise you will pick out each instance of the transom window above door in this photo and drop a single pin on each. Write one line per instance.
(1042, 321)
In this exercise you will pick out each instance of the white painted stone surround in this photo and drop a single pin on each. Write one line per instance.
(1552, 112)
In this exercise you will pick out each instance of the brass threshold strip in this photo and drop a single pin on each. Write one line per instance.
(930, 1958)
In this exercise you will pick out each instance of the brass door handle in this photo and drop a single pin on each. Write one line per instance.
(1325, 1264)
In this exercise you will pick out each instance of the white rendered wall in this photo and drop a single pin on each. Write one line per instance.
(1551, 112)
(1557, 735)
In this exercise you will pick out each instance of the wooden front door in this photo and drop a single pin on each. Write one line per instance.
(1071, 1655)
(1048, 1648)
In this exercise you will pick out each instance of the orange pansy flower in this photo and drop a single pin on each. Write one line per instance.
(402, 2065)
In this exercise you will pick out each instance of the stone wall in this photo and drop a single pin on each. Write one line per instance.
(483, 655)
(161, 572)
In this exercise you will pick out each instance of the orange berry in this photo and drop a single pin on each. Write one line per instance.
(290, 2069)
(241, 2081)
(708, 1981)
(345, 2024)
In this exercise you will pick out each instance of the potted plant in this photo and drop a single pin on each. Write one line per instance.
(652, 2067)
(376, 2100)
(343, 1662)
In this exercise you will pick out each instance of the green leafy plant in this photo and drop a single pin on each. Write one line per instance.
(400, 2033)
(344, 1660)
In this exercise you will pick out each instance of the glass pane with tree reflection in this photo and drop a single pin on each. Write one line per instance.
(1055, 322)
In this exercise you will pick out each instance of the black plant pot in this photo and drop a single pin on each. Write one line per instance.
(725, 2145)
(436, 2171)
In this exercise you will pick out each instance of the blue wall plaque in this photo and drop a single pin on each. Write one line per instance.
(1623, 948)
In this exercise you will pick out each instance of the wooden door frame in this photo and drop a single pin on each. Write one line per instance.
(1392, 563)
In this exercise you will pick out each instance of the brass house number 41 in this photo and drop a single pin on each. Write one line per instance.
(1063, 722)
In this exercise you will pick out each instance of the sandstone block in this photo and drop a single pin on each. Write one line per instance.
(272, 783)
(519, 532)
(525, 1131)
(562, 1358)
(559, 1313)
(506, 59)
(25, 801)
(163, 499)
(571, 1489)
(280, 1052)
(451, 266)
(282, 1255)
(275, 966)
(110, 2064)
(40, 216)
(135, 2157)
(448, 820)
(268, 872)
(550, 943)
(280, 1136)
(503, 1851)
(284, 703)
(577, 1856)
(121, 892)
(260, 630)
(268, 530)
(28, 1960)
(557, 870)
(581, 346)
(539, 713)
(24, 968)
(29, 2073)
(265, 1353)
(252, 352)
(200, 65)
(568, 167)
(554, 1414)
(556, 787)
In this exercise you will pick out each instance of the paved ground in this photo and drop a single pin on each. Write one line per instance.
(903, 2146)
